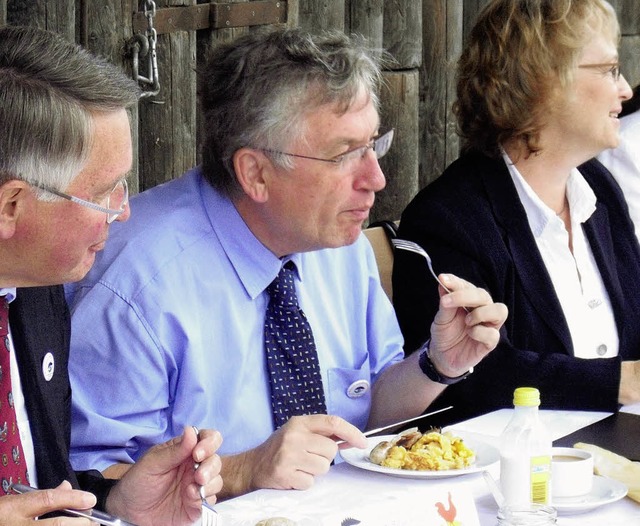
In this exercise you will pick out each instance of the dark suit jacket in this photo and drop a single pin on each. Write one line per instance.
(39, 320)
(472, 223)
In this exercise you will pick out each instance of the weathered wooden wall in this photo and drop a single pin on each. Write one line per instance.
(423, 36)
(629, 16)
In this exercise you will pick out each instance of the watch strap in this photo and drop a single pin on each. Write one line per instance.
(430, 371)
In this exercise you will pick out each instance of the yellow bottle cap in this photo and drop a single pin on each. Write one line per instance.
(526, 396)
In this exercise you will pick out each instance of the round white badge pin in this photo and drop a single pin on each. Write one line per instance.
(358, 388)
(48, 366)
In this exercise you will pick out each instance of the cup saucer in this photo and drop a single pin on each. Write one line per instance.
(604, 491)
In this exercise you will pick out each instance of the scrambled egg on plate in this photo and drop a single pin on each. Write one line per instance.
(432, 451)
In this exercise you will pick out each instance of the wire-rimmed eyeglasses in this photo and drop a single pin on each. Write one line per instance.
(608, 67)
(379, 145)
(117, 198)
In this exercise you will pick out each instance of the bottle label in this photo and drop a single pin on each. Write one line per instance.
(540, 479)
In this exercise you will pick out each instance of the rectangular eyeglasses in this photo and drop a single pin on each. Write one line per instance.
(116, 200)
(379, 145)
(609, 67)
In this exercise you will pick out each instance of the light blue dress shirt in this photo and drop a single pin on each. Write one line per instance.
(167, 328)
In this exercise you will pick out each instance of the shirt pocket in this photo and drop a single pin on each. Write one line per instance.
(349, 394)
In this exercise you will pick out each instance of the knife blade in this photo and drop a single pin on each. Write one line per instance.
(97, 516)
(402, 422)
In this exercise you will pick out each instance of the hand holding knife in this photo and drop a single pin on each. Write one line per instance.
(402, 422)
(97, 516)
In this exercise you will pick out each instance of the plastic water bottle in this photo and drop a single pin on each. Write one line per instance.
(525, 453)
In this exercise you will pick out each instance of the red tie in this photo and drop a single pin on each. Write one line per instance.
(13, 468)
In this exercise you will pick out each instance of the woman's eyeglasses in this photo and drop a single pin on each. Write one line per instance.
(612, 68)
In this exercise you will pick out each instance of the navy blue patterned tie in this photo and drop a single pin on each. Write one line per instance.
(292, 359)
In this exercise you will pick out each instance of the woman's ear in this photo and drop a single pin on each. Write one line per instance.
(12, 196)
(253, 170)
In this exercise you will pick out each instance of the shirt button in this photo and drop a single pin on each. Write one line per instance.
(602, 349)
(358, 388)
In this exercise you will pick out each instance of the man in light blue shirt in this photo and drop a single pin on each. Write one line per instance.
(289, 173)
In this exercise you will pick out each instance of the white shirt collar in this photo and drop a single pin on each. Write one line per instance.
(582, 200)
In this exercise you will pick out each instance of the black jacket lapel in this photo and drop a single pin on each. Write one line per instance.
(533, 275)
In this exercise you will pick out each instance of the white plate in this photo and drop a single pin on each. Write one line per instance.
(604, 491)
(486, 455)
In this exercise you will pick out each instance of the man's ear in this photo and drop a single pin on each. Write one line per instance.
(12, 200)
(253, 170)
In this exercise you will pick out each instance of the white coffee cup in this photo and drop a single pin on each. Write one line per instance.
(571, 472)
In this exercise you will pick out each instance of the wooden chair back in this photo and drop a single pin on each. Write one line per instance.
(378, 236)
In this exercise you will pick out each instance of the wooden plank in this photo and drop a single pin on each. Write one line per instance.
(248, 14)
(454, 40)
(293, 13)
(205, 39)
(317, 15)
(170, 19)
(399, 100)
(215, 15)
(58, 16)
(402, 33)
(213, 36)
(365, 17)
(441, 46)
(470, 11)
(3, 12)
(104, 29)
(630, 59)
(167, 121)
(628, 12)
(433, 92)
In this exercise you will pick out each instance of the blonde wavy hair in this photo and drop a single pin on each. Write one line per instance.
(519, 55)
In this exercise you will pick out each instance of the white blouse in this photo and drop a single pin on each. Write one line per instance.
(575, 276)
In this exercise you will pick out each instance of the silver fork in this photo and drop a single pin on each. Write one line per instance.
(404, 244)
(209, 516)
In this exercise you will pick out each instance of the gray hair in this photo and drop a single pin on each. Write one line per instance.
(257, 90)
(50, 89)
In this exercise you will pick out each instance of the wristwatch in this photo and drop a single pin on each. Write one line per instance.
(427, 367)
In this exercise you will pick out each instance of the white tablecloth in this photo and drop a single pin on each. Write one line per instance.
(380, 500)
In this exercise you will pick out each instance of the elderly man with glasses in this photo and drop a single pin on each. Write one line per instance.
(244, 296)
(65, 149)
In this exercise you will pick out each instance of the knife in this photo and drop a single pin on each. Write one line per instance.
(94, 515)
(402, 422)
